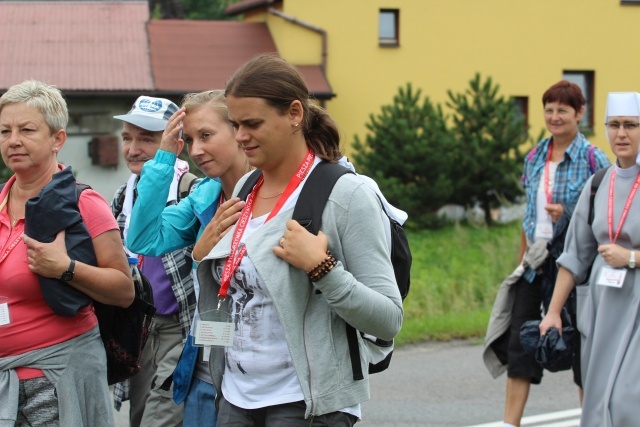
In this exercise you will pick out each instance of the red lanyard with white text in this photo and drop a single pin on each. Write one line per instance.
(18, 237)
(625, 211)
(11, 246)
(236, 256)
(548, 191)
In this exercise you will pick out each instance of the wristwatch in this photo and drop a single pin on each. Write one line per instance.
(632, 259)
(67, 276)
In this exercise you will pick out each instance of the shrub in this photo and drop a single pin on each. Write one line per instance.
(489, 132)
(408, 153)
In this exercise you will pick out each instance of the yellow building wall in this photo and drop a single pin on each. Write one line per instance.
(523, 45)
(297, 44)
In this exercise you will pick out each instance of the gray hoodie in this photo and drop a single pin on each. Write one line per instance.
(360, 290)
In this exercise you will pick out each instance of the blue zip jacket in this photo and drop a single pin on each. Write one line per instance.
(156, 229)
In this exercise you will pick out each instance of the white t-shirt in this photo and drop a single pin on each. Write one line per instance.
(259, 371)
(544, 224)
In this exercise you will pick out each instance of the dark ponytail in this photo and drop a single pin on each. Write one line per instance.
(321, 133)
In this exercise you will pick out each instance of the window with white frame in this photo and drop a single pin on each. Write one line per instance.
(388, 27)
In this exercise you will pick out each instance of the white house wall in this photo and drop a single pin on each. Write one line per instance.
(75, 153)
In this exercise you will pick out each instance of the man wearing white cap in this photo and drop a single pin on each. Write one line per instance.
(609, 307)
(169, 274)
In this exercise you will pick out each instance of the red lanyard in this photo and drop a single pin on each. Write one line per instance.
(627, 206)
(11, 246)
(548, 191)
(236, 256)
(11, 230)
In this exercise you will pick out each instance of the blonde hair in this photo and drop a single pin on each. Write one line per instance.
(213, 98)
(47, 99)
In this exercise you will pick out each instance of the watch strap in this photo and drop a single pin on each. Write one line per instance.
(67, 276)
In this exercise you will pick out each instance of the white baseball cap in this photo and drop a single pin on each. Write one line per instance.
(150, 113)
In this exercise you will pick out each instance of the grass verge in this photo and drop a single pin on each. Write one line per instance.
(455, 275)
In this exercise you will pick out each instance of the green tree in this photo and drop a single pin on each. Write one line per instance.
(166, 9)
(407, 152)
(207, 9)
(489, 133)
(190, 9)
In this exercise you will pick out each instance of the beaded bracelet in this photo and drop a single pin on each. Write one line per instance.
(320, 270)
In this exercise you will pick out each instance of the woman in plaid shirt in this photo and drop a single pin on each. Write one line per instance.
(555, 172)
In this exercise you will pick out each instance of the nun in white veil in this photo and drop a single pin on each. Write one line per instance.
(601, 260)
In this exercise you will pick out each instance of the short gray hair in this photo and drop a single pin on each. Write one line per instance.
(47, 99)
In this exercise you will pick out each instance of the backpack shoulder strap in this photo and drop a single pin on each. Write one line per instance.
(595, 183)
(308, 212)
(315, 193)
(185, 183)
(532, 153)
(119, 203)
(592, 158)
(248, 185)
(81, 187)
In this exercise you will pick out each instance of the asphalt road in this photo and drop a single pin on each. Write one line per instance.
(446, 384)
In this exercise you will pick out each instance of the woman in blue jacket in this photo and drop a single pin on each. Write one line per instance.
(204, 216)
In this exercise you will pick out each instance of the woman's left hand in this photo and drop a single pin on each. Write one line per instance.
(300, 248)
(614, 255)
(47, 259)
(555, 210)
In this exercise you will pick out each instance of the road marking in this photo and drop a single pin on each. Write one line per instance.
(570, 423)
(546, 418)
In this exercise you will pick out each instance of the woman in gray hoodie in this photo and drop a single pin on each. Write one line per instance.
(280, 295)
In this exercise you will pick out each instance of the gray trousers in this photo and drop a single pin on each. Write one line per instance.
(37, 404)
(285, 415)
(150, 405)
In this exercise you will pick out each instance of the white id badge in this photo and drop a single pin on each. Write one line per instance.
(4, 311)
(612, 277)
(544, 229)
(210, 331)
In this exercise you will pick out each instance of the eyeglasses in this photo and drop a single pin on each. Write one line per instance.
(628, 126)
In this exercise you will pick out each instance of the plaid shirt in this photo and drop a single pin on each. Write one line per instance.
(178, 265)
(572, 174)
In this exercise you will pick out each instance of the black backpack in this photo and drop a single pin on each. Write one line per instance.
(124, 331)
(595, 184)
(308, 212)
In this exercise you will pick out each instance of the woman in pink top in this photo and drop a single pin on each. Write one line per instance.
(58, 363)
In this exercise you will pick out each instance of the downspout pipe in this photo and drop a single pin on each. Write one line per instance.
(308, 26)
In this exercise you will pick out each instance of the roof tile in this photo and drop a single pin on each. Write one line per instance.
(193, 56)
(88, 46)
